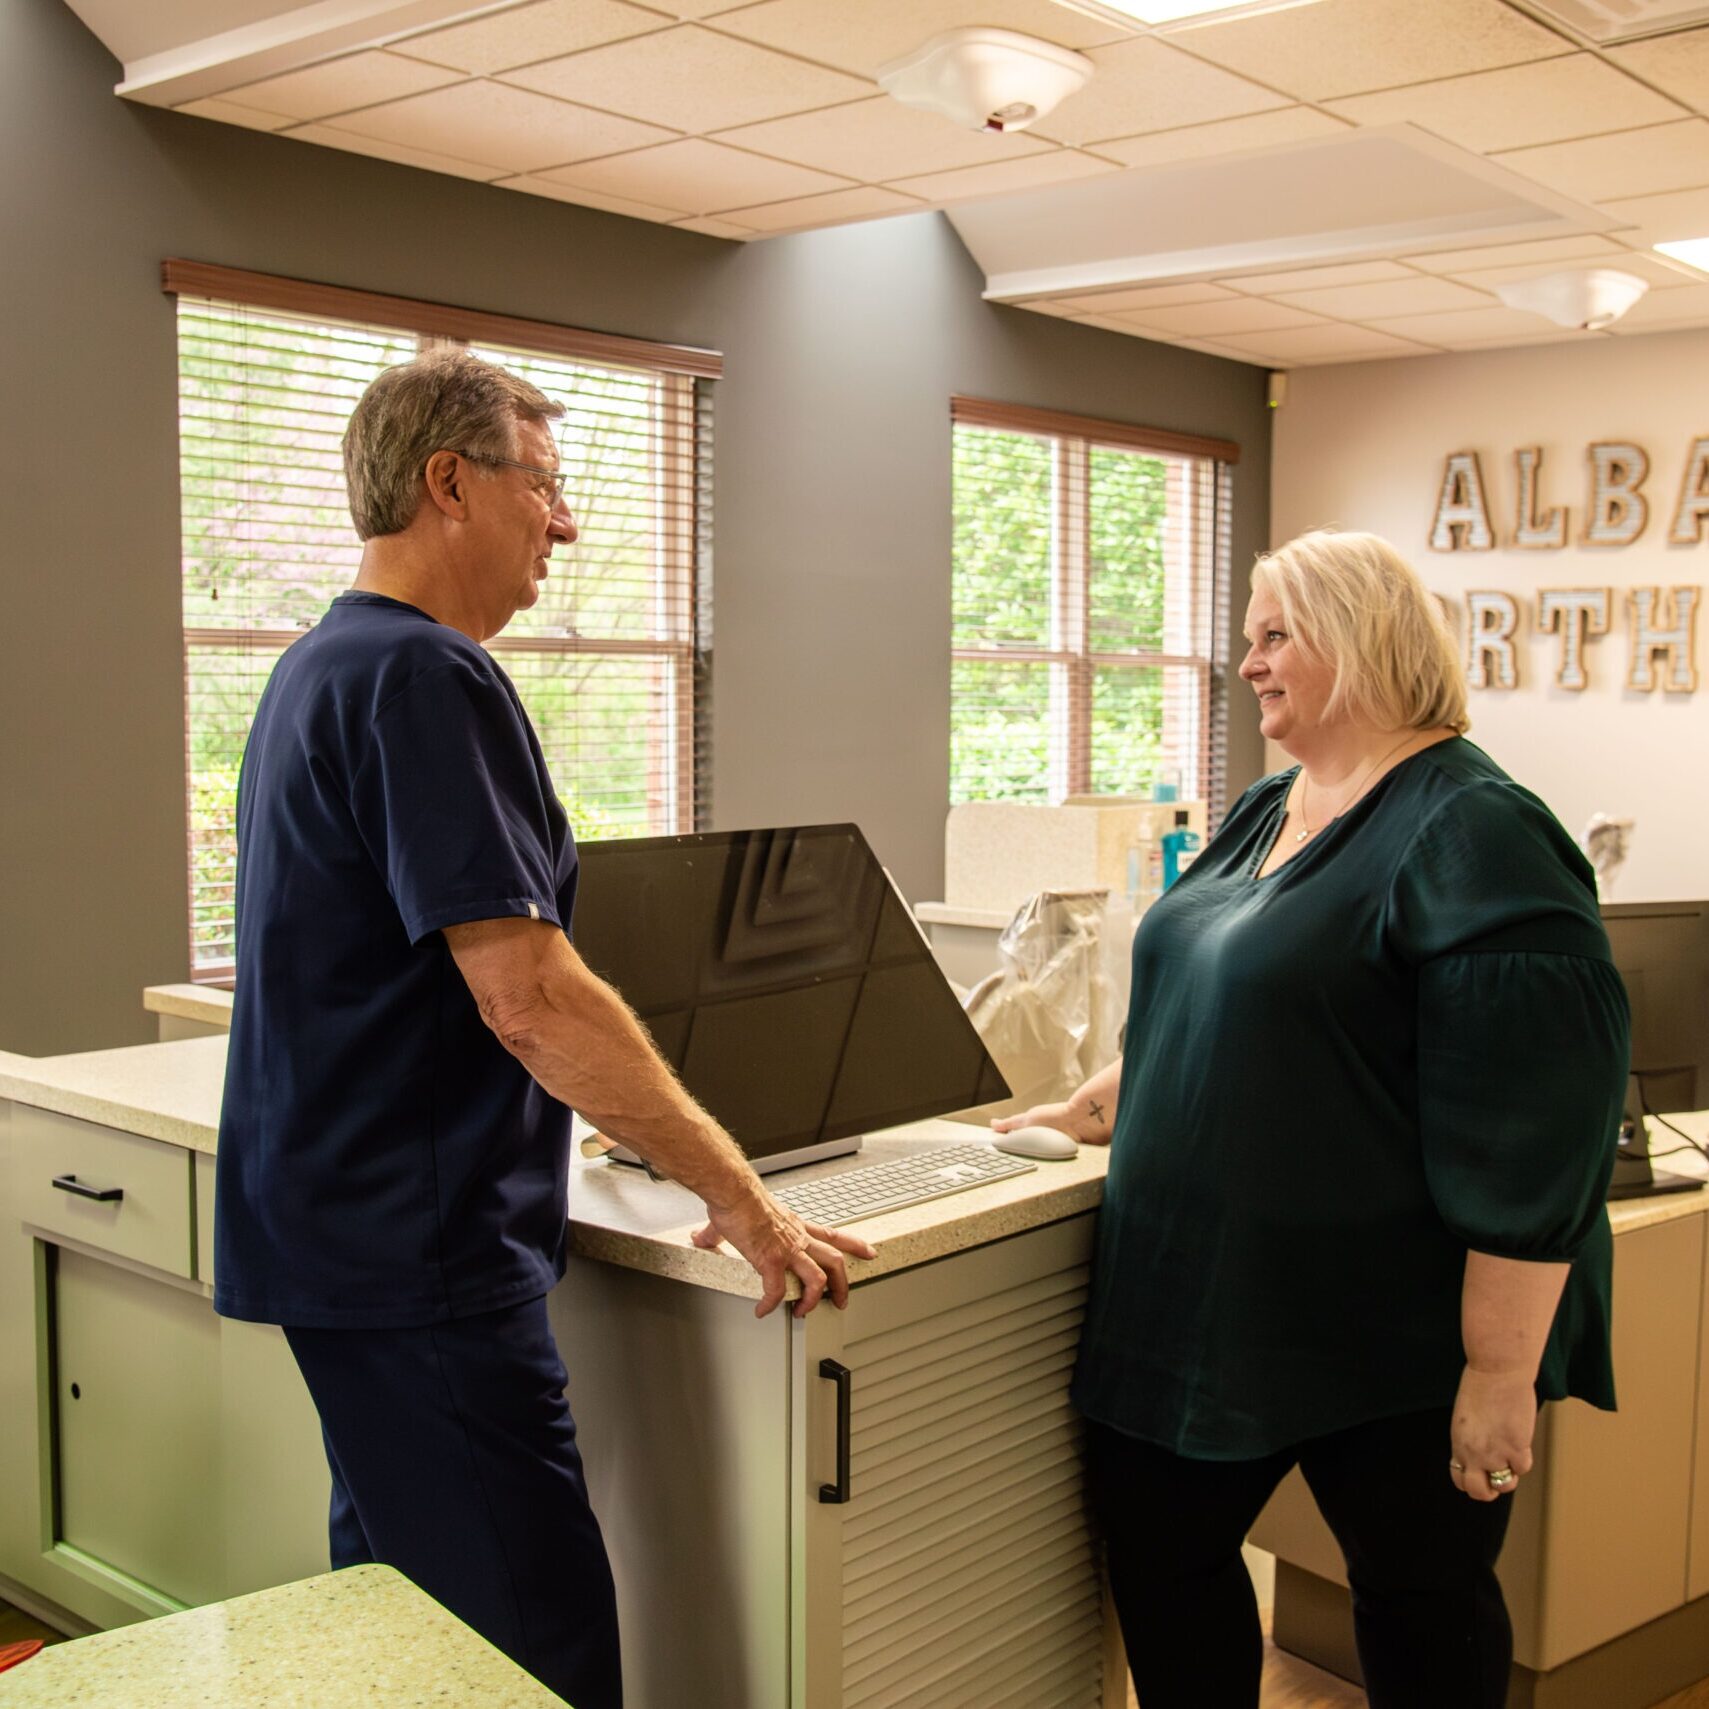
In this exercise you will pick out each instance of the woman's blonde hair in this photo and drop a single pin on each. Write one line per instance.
(1351, 601)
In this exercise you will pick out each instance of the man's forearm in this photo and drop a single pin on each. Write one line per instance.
(581, 1042)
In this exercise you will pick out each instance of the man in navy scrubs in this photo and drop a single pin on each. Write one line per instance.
(411, 1026)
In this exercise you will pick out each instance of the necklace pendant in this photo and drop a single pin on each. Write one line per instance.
(1300, 836)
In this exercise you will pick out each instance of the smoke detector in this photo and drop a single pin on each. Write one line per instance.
(987, 80)
(1589, 298)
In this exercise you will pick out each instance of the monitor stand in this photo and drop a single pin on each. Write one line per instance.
(1633, 1176)
(815, 1153)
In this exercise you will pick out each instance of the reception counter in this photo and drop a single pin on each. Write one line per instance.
(173, 1458)
(880, 1506)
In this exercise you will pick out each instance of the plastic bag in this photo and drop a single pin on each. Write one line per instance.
(1051, 1016)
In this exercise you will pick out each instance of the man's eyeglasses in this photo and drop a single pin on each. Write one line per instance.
(551, 484)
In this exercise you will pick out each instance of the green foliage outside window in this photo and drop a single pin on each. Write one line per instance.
(267, 544)
(1018, 561)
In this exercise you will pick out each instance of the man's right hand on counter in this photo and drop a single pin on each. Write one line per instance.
(778, 1244)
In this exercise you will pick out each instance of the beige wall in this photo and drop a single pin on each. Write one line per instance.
(1362, 446)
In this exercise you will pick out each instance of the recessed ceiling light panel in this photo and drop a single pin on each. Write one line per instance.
(1157, 12)
(1606, 21)
(1693, 251)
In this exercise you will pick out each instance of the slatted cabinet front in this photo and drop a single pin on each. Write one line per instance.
(959, 1573)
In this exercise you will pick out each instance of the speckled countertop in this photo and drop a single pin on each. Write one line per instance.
(345, 1640)
(171, 1092)
(163, 1091)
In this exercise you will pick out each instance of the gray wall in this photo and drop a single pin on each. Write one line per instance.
(831, 666)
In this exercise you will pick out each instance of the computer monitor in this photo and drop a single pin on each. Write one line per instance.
(1662, 952)
(785, 980)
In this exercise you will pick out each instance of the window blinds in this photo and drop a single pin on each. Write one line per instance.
(611, 663)
(1089, 608)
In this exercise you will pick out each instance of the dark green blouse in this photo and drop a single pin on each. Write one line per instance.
(1406, 1043)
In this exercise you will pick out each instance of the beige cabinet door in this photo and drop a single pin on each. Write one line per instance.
(958, 1573)
(136, 1416)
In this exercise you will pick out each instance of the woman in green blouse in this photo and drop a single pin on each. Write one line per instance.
(1375, 1062)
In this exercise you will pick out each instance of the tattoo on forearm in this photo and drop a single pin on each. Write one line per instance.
(1097, 1112)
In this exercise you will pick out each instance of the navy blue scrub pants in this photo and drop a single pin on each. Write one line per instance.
(1428, 1613)
(454, 1460)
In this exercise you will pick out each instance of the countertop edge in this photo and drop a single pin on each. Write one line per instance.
(671, 1254)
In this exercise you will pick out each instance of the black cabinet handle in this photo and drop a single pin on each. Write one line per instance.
(843, 1378)
(101, 1195)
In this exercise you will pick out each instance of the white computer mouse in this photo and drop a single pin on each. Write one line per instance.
(1045, 1142)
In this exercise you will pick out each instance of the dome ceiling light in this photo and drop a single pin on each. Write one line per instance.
(1588, 298)
(987, 80)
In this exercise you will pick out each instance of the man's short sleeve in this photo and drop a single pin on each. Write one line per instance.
(454, 803)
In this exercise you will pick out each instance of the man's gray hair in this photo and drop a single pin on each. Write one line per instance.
(445, 401)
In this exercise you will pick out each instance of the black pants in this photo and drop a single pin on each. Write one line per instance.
(454, 1459)
(1432, 1627)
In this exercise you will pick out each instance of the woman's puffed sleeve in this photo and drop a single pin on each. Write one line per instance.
(1522, 1024)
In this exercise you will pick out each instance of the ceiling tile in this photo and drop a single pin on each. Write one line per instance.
(230, 113)
(1146, 297)
(1215, 320)
(1146, 85)
(1678, 63)
(337, 85)
(1225, 136)
(1324, 344)
(1466, 326)
(1231, 353)
(524, 34)
(1347, 47)
(879, 140)
(710, 227)
(1630, 163)
(1520, 105)
(1108, 323)
(1687, 306)
(695, 177)
(1025, 174)
(1320, 278)
(862, 202)
(692, 79)
(510, 128)
(590, 199)
(1514, 254)
(861, 35)
(1399, 297)
(1653, 268)
(330, 136)
(1661, 219)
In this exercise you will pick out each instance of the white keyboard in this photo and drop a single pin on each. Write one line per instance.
(902, 1181)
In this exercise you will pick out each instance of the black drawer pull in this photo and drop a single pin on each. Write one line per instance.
(101, 1195)
(843, 1378)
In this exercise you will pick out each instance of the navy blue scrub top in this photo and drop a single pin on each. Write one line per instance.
(383, 1160)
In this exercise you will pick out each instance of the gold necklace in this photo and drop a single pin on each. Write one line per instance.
(1310, 830)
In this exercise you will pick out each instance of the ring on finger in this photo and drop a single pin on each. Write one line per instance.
(1500, 1478)
(1455, 1466)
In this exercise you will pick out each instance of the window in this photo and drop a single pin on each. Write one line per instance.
(1089, 608)
(610, 663)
